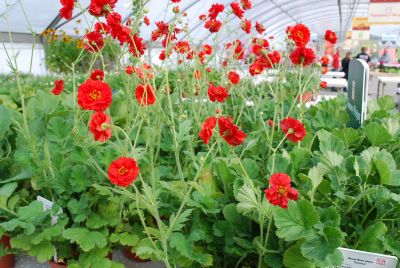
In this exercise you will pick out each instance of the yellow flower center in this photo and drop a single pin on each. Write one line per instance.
(122, 170)
(95, 94)
(282, 191)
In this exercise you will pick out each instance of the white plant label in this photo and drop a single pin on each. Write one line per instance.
(48, 205)
(362, 259)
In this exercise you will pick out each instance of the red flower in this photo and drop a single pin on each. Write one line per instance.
(146, 20)
(175, 1)
(246, 4)
(280, 191)
(271, 123)
(215, 10)
(325, 60)
(182, 47)
(260, 28)
(323, 84)
(58, 87)
(94, 95)
(67, 8)
(136, 46)
(213, 25)
(101, 27)
(203, 17)
(175, 9)
(330, 36)
(302, 55)
(207, 130)
(234, 77)
(230, 132)
(207, 49)
(255, 69)
(145, 95)
(123, 171)
(100, 133)
(101, 7)
(97, 75)
(293, 129)
(300, 34)
(237, 9)
(245, 25)
(93, 41)
(217, 93)
(197, 74)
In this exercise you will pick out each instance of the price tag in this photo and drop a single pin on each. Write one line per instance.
(362, 259)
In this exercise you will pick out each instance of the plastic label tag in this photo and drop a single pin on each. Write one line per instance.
(363, 259)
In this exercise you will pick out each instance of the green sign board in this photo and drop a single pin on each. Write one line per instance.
(357, 92)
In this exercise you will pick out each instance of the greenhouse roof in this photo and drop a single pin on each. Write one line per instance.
(21, 16)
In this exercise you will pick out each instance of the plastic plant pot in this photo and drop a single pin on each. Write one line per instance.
(131, 255)
(7, 261)
(61, 265)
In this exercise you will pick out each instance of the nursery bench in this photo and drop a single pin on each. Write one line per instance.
(385, 80)
(333, 74)
(335, 82)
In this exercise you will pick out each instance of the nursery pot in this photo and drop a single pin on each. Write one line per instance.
(307, 96)
(61, 265)
(7, 261)
(131, 255)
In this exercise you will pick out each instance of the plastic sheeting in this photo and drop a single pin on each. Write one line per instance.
(23, 16)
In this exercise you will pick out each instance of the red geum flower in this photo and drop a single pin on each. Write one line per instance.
(271, 123)
(202, 17)
(237, 10)
(207, 130)
(101, 27)
(325, 60)
(93, 41)
(175, 1)
(197, 74)
(146, 20)
(175, 9)
(293, 129)
(130, 70)
(67, 8)
(58, 87)
(323, 84)
(302, 55)
(97, 75)
(246, 4)
(234, 77)
(260, 28)
(94, 95)
(255, 69)
(300, 34)
(245, 25)
(213, 25)
(230, 132)
(101, 7)
(330, 36)
(215, 10)
(123, 171)
(114, 23)
(100, 132)
(218, 94)
(280, 191)
(137, 46)
(145, 95)
(207, 49)
(182, 47)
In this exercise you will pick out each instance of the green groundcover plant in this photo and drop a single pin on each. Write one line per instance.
(194, 166)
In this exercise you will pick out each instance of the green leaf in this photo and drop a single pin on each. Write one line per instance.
(392, 125)
(184, 130)
(125, 239)
(386, 103)
(328, 142)
(47, 234)
(86, 239)
(294, 259)
(180, 221)
(330, 217)
(251, 167)
(349, 136)
(386, 166)
(296, 221)
(372, 237)
(5, 120)
(317, 247)
(316, 174)
(247, 200)
(58, 129)
(43, 251)
(377, 134)
(392, 245)
(5, 192)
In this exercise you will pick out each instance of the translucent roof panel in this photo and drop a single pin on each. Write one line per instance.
(275, 15)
